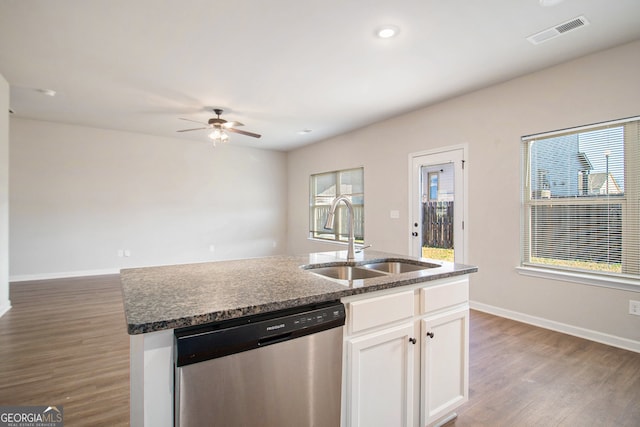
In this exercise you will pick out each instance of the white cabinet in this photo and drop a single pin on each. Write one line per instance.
(444, 349)
(406, 354)
(444, 364)
(381, 349)
(380, 377)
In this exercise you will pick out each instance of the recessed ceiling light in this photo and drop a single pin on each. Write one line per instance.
(546, 3)
(47, 92)
(387, 31)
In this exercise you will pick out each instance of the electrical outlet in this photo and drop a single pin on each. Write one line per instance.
(634, 307)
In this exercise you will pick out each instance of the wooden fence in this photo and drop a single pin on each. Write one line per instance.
(437, 225)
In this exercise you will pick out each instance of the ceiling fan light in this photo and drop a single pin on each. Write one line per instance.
(218, 135)
(218, 128)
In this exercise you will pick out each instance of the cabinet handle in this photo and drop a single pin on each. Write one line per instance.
(412, 340)
(430, 334)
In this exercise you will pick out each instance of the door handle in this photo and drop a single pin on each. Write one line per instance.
(412, 340)
(430, 334)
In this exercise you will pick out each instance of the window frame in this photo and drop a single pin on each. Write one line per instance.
(340, 215)
(629, 278)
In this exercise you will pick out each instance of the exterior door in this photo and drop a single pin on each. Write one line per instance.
(438, 198)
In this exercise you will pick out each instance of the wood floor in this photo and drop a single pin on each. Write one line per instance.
(521, 375)
(64, 342)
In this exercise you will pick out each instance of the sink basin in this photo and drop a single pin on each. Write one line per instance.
(346, 272)
(397, 267)
(384, 267)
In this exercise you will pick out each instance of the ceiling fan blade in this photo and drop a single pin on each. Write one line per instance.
(194, 121)
(244, 132)
(187, 130)
(232, 124)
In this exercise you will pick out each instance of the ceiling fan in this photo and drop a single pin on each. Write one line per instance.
(219, 128)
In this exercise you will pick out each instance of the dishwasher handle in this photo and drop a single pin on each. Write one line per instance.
(274, 339)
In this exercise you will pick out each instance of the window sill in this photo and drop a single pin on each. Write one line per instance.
(619, 283)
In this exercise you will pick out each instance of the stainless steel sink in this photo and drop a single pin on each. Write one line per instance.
(346, 272)
(397, 267)
(383, 267)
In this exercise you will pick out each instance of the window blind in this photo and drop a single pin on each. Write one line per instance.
(580, 199)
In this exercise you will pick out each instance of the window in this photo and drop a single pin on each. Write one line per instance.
(581, 205)
(433, 185)
(324, 188)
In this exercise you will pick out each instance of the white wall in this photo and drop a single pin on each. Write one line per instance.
(79, 194)
(491, 121)
(5, 304)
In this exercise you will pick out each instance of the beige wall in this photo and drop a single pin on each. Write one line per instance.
(79, 194)
(491, 121)
(4, 196)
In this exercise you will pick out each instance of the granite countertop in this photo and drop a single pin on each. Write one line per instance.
(176, 296)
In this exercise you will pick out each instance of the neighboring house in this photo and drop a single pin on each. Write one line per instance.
(556, 165)
(559, 168)
(326, 197)
(598, 184)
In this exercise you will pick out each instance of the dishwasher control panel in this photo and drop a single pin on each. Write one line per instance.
(305, 320)
(252, 332)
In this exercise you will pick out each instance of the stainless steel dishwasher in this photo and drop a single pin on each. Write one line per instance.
(277, 369)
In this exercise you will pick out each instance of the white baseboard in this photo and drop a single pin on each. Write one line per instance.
(62, 275)
(588, 334)
(5, 308)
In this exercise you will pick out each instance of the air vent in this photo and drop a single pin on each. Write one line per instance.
(558, 30)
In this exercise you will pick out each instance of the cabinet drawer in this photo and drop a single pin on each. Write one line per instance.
(377, 311)
(445, 295)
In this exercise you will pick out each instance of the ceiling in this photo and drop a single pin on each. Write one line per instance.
(279, 66)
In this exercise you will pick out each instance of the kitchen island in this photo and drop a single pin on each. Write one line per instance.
(158, 300)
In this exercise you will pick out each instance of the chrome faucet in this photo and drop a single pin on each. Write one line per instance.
(330, 217)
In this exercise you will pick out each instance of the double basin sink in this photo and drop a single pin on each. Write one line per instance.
(370, 270)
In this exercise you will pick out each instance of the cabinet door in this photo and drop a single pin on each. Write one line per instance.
(380, 378)
(445, 356)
